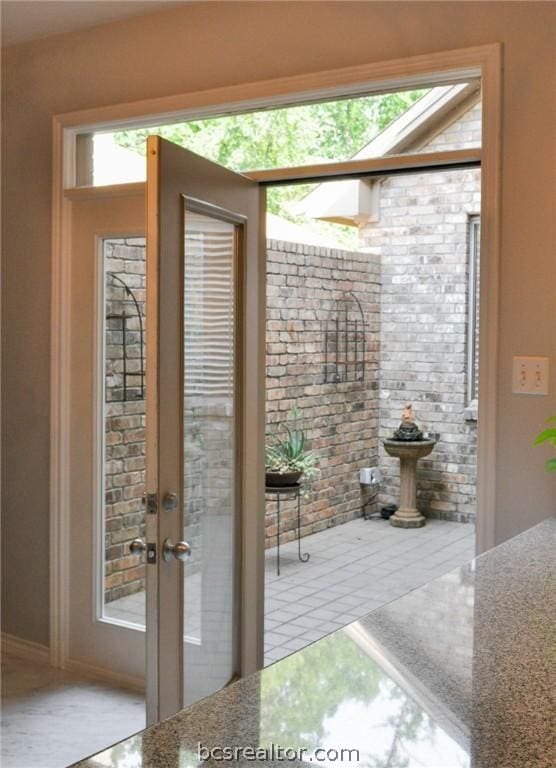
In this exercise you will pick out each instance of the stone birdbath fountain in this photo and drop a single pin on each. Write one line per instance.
(408, 444)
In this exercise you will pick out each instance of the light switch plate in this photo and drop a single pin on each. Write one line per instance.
(530, 375)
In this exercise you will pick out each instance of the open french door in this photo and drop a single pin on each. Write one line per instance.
(166, 529)
(204, 427)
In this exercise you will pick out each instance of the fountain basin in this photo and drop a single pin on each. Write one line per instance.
(408, 452)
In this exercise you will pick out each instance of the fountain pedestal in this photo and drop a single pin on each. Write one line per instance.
(408, 452)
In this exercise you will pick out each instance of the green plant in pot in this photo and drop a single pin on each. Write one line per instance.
(287, 458)
(548, 435)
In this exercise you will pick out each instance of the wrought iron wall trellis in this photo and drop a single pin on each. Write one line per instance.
(131, 389)
(344, 341)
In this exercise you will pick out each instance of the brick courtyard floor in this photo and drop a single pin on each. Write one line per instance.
(353, 569)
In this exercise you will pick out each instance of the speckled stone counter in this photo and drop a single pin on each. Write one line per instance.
(460, 673)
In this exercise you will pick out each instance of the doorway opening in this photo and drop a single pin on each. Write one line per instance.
(363, 321)
(68, 126)
(347, 263)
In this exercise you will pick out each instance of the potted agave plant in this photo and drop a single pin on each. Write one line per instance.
(287, 459)
(549, 435)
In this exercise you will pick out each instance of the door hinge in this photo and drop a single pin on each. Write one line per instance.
(150, 500)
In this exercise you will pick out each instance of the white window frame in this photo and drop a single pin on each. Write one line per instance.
(473, 255)
(484, 62)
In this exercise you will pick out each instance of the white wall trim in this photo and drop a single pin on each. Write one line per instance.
(11, 645)
(95, 673)
(491, 221)
(430, 69)
(98, 447)
(59, 404)
(369, 166)
(445, 67)
(24, 649)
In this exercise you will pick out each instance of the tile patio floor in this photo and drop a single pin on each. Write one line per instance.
(353, 569)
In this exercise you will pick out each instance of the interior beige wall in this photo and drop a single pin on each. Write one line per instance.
(214, 44)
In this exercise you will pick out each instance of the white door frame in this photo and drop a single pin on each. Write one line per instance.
(429, 69)
(100, 220)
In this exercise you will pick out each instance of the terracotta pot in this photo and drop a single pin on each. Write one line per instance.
(282, 479)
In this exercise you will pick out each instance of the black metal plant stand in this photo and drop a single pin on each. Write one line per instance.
(292, 492)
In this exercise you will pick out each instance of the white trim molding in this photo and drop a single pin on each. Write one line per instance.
(24, 649)
(10, 645)
(95, 673)
(442, 68)
(491, 219)
(484, 62)
(370, 166)
(59, 404)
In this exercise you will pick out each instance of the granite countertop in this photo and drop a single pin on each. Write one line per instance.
(460, 673)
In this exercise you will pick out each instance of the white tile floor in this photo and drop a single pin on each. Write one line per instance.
(52, 718)
(353, 569)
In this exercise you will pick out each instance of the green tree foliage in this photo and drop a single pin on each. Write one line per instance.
(302, 691)
(408, 726)
(290, 136)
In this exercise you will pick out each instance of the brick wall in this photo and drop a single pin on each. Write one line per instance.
(421, 237)
(460, 130)
(208, 474)
(124, 451)
(209, 435)
(306, 286)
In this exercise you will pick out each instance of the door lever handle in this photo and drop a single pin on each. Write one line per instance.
(178, 551)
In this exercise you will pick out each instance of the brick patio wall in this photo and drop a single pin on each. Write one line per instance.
(421, 237)
(208, 474)
(306, 286)
(124, 451)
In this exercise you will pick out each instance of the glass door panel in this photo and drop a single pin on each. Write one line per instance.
(123, 518)
(205, 421)
(210, 448)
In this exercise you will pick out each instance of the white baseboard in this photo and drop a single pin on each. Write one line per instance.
(23, 649)
(26, 649)
(105, 675)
